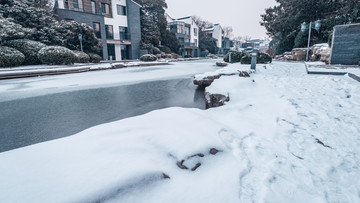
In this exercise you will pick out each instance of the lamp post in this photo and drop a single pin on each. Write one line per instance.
(303, 28)
(80, 39)
(253, 59)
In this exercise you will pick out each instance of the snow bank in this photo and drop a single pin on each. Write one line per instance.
(285, 136)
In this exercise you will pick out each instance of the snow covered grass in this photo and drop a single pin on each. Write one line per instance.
(284, 136)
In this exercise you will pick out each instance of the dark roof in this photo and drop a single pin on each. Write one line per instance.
(184, 18)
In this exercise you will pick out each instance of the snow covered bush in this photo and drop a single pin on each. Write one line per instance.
(10, 30)
(10, 57)
(148, 57)
(156, 50)
(56, 55)
(94, 58)
(165, 49)
(261, 58)
(24, 19)
(235, 57)
(81, 57)
(29, 48)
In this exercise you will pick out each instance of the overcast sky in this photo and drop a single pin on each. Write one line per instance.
(242, 15)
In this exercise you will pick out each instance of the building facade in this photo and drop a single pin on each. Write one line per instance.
(115, 22)
(223, 43)
(187, 32)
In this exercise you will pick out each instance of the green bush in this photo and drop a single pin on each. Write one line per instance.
(56, 55)
(10, 57)
(94, 58)
(261, 58)
(235, 57)
(246, 59)
(81, 57)
(156, 50)
(29, 48)
(166, 49)
(148, 57)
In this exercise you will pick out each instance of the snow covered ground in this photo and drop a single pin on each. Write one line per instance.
(285, 136)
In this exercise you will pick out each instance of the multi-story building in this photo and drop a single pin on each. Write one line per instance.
(223, 43)
(115, 22)
(187, 32)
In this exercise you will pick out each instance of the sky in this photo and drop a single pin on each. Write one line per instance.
(242, 15)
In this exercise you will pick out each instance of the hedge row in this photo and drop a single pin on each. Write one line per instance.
(28, 52)
(10, 57)
(245, 58)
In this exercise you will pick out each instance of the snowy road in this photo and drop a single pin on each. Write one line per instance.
(285, 136)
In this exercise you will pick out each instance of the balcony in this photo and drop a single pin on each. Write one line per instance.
(189, 44)
(125, 36)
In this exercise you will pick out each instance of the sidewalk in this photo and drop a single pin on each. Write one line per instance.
(321, 68)
(40, 70)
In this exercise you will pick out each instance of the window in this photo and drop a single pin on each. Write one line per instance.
(195, 40)
(93, 7)
(187, 30)
(124, 35)
(121, 10)
(109, 32)
(195, 32)
(97, 30)
(180, 28)
(76, 3)
(105, 8)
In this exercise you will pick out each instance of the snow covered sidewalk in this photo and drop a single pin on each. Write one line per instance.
(42, 70)
(284, 136)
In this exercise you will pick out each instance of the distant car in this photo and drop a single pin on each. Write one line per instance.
(187, 56)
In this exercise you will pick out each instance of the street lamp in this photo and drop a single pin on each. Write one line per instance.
(303, 28)
(80, 39)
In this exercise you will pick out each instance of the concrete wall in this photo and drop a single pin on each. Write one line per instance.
(86, 18)
(346, 45)
(133, 10)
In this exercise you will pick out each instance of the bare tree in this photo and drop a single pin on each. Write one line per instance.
(202, 24)
(228, 31)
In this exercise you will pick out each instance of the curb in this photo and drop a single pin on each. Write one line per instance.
(355, 77)
(12, 74)
(351, 75)
(41, 72)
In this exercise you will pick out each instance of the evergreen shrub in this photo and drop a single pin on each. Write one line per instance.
(56, 55)
(10, 57)
(94, 58)
(261, 58)
(166, 49)
(148, 57)
(29, 48)
(235, 57)
(81, 57)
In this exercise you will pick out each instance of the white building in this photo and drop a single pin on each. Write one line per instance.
(187, 32)
(119, 39)
(217, 33)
